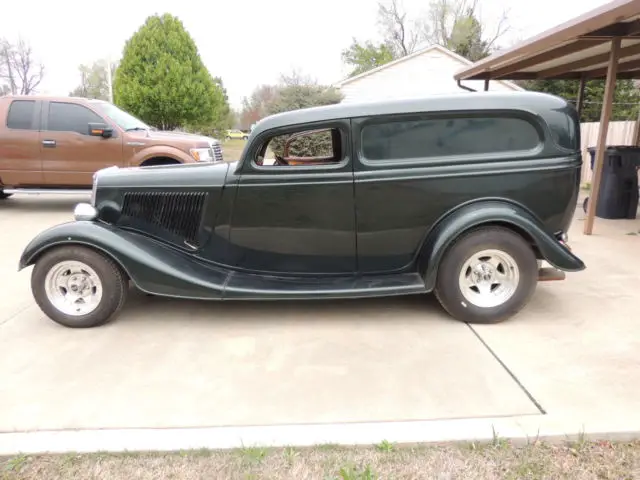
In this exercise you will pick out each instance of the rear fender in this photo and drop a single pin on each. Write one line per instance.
(492, 212)
(153, 267)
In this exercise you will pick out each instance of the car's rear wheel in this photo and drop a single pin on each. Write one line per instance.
(4, 195)
(78, 287)
(487, 276)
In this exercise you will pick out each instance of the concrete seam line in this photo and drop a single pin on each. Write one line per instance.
(508, 370)
(14, 315)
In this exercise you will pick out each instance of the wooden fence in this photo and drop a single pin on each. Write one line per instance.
(620, 133)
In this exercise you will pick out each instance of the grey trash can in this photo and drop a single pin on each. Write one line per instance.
(618, 196)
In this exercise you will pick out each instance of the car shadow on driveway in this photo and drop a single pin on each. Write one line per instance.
(142, 308)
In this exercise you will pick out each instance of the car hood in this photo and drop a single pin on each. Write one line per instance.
(182, 137)
(169, 177)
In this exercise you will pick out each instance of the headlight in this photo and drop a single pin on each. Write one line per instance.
(202, 154)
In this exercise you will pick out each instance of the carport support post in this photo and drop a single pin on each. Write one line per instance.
(609, 88)
(580, 99)
(486, 84)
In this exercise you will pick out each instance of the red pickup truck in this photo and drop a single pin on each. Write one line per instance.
(55, 144)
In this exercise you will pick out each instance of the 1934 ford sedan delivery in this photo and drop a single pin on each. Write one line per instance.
(463, 195)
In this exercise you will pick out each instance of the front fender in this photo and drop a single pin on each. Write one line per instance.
(492, 212)
(160, 151)
(153, 267)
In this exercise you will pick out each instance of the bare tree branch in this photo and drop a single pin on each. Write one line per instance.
(401, 34)
(19, 71)
(456, 24)
(502, 28)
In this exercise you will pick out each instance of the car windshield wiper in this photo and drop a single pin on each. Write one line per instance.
(133, 129)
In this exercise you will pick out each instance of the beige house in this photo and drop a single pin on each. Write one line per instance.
(428, 71)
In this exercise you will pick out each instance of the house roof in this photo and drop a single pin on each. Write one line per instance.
(575, 49)
(415, 54)
(487, 101)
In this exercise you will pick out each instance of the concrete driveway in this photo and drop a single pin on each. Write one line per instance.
(170, 363)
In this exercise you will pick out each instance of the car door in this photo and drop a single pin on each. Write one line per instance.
(20, 164)
(69, 154)
(296, 219)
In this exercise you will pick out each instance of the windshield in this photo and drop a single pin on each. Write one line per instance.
(125, 120)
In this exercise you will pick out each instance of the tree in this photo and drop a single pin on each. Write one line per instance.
(401, 33)
(455, 24)
(367, 56)
(20, 73)
(94, 82)
(162, 79)
(293, 93)
(254, 108)
(626, 98)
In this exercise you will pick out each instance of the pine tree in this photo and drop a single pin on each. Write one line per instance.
(162, 79)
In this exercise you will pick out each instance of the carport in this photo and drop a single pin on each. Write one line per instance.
(601, 44)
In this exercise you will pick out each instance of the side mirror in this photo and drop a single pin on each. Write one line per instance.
(100, 130)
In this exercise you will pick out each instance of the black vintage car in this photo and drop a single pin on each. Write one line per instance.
(463, 195)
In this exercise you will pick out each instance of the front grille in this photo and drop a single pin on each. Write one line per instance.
(217, 152)
(178, 214)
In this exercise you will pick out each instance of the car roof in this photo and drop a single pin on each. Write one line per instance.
(524, 101)
(50, 98)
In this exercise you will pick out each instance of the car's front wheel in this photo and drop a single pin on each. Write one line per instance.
(487, 276)
(78, 287)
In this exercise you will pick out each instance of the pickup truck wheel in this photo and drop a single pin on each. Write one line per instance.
(78, 287)
(487, 276)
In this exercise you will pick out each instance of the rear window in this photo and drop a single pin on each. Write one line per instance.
(440, 137)
(564, 127)
(21, 114)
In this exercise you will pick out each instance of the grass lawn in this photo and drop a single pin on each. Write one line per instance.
(500, 460)
(231, 149)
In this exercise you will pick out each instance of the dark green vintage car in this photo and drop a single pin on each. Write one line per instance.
(463, 195)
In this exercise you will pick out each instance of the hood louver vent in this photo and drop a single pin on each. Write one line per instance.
(178, 214)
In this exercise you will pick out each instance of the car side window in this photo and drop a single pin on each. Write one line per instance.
(439, 137)
(20, 115)
(304, 148)
(71, 117)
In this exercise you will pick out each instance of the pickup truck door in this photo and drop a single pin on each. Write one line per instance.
(69, 154)
(20, 164)
(296, 220)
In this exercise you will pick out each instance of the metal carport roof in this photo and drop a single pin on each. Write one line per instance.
(601, 44)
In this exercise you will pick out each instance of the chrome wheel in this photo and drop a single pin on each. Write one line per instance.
(489, 278)
(73, 288)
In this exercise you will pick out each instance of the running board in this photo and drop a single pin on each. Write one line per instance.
(33, 191)
(550, 274)
(259, 287)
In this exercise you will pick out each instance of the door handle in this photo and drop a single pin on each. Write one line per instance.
(49, 143)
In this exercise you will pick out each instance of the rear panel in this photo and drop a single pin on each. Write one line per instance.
(412, 169)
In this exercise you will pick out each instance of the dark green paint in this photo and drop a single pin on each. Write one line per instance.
(356, 228)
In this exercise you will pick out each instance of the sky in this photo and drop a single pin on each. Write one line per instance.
(248, 42)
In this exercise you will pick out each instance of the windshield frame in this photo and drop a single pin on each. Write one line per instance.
(123, 119)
